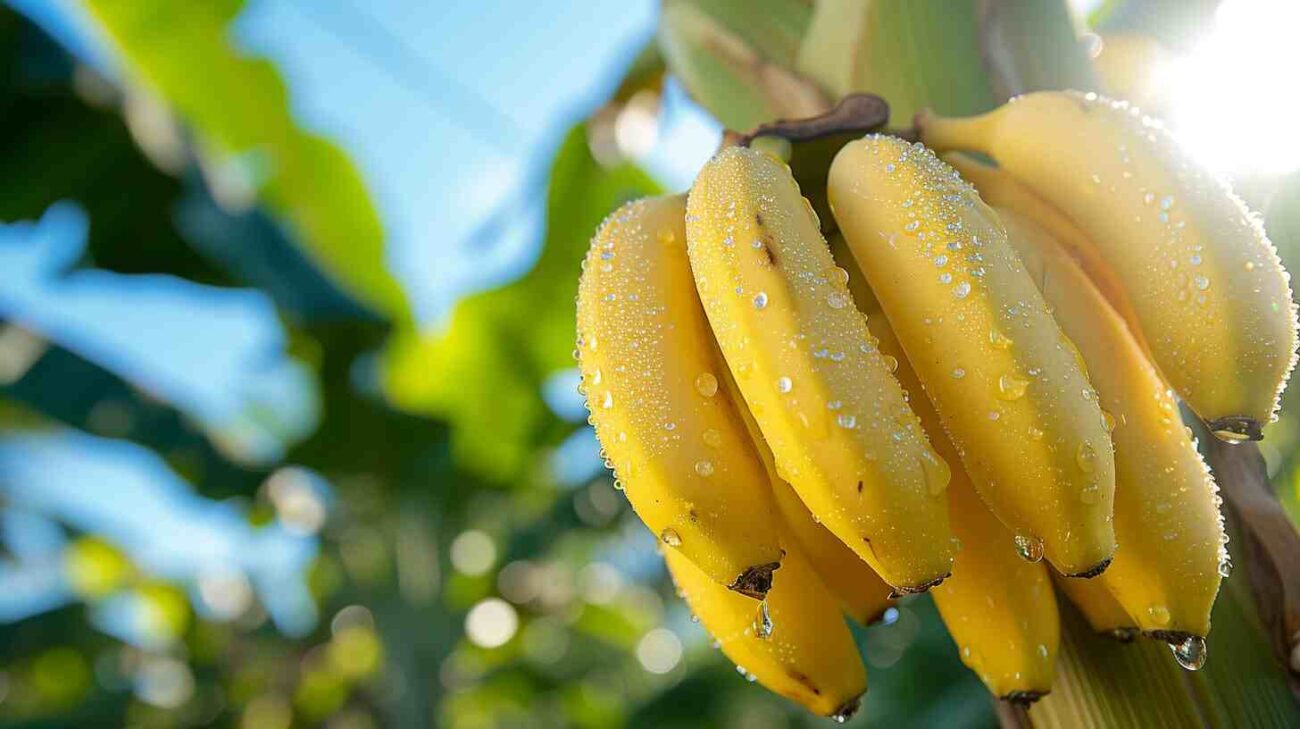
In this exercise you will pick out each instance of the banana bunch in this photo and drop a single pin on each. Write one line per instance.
(972, 388)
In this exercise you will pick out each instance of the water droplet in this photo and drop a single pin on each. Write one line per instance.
(1042, 650)
(1250, 265)
(891, 362)
(1191, 653)
(763, 622)
(1202, 283)
(711, 438)
(1034, 433)
(937, 473)
(706, 384)
(958, 373)
(1149, 198)
(1090, 494)
(842, 276)
(1011, 387)
(783, 384)
(1029, 548)
(760, 300)
(999, 340)
(1108, 420)
(704, 468)
(1086, 457)
(837, 300)
(1195, 259)
(961, 290)
(844, 420)
(670, 537)
(834, 404)
(945, 278)
(1159, 614)
(940, 260)
(608, 401)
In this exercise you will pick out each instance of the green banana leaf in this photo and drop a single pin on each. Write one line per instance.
(485, 372)
(239, 108)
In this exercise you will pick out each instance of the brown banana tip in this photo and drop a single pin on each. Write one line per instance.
(917, 589)
(1024, 699)
(846, 710)
(1236, 429)
(1092, 571)
(755, 581)
(1172, 637)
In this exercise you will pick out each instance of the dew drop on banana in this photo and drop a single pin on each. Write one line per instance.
(783, 384)
(1086, 457)
(760, 300)
(711, 437)
(1011, 387)
(1159, 614)
(704, 468)
(670, 537)
(706, 384)
(763, 622)
(1029, 548)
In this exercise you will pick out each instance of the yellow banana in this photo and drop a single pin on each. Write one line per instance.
(859, 590)
(998, 607)
(1008, 386)
(650, 371)
(1004, 192)
(825, 401)
(808, 654)
(1099, 607)
(1167, 522)
(1205, 282)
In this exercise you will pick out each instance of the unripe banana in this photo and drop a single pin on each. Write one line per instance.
(1009, 387)
(1167, 569)
(825, 401)
(1213, 299)
(859, 590)
(999, 608)
(1099, 607)
(651, 373)
(808, 654)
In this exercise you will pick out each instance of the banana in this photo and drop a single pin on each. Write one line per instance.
(1166, 572)
(1099, 607)
(999, 608)
(835, 418)
(650, 371)
(859, 590)
(1008, 386)
(808, 654)
(1205, 282)
(1004, 192)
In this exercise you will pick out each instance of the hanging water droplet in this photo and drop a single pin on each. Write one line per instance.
(846, 712)
(670, 537)
(783, 384)
(704, 468)
(711, 438)
(842, 276)
(706, 384)
(1108, 420)
(1029, 548)
(1191, 653)
(1085, 456)
(763, 622)
(1011, 387)
(1225, 565)
(891, 362)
